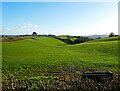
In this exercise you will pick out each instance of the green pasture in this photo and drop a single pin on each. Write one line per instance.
(46, 53)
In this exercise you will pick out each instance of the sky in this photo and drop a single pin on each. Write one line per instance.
(59, 18)
(60, 0)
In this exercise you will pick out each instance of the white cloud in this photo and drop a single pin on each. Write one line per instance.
(6, 30)
(28, 28)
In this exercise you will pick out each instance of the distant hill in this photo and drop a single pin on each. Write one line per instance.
(97, 36)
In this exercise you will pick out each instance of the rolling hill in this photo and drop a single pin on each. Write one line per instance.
(45, 63)
(50, 53)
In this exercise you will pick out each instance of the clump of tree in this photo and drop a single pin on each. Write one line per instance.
(111, 34)
(34, 33)
(50, 35)
(77, 39)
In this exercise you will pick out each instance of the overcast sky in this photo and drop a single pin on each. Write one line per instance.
(60, 18)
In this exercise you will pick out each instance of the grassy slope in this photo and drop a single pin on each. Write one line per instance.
(105, 39)
(50, 53)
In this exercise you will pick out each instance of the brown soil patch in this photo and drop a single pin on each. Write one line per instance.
(14, 38)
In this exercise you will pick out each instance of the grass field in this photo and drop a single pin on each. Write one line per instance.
(44, 51)
(33, 57)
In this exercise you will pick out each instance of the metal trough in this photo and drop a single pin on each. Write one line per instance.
(98, 76)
